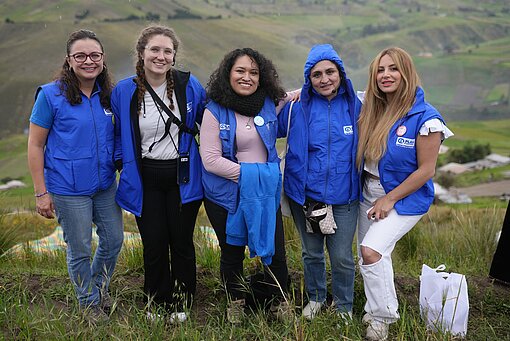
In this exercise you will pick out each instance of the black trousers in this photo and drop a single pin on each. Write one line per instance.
(167, 225)
(499, 268)
(232, 257)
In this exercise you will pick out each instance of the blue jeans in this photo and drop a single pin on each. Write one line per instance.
(339, 247)
(76, 214)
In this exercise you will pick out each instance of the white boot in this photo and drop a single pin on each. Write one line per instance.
(312, 309)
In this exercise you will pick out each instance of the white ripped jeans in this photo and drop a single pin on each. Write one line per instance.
(381, 236)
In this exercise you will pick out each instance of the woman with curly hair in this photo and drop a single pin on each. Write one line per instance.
(399, 138)
(70, 156)
(241, 174)
(156, 112)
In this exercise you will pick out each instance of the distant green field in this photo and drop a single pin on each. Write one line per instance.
(496, 133)
(13, 155)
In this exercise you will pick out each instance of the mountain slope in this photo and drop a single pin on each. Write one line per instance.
(461, 48)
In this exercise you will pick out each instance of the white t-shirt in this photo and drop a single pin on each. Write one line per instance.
(152, 127)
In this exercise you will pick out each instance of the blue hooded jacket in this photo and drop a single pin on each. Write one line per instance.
(191, 101)
(323, 138)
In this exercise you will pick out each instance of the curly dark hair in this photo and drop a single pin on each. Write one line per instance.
(70, 84)
(219, 89)
(146, 34)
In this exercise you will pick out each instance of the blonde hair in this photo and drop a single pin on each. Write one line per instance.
(377, 114)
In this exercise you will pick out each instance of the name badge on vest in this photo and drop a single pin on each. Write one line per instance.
(259, 121)
(401, 130)
(405, 142)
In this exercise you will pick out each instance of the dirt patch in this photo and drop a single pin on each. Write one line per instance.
(489, 189)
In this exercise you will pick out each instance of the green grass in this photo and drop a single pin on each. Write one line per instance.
(37, 299)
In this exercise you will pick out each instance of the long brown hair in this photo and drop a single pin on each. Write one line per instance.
(146, 34)
(377, 114)
(68, 82)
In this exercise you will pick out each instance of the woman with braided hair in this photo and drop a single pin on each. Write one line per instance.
(156, 112)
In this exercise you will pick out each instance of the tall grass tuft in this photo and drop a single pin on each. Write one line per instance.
(8, 234)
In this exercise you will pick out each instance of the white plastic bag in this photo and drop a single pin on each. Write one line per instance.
(444, 303)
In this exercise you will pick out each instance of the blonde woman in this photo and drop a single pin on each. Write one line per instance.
(399, 138)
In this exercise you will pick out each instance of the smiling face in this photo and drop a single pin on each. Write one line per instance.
(244, 76)
(86, 71)
(388, 76)
(158, 56)
(325, 78)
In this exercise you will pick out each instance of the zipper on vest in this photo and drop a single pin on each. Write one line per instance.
(329, 152)
(97, 145)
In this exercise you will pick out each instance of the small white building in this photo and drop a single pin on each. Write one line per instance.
(12, 184)
(453, 168)
(498, 160)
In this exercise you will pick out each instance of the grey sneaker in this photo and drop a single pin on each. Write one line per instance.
(94, 314)
(376, 330)
(106, 302)
(235, 311)
(178, 317)
(312, 309)
(282, 311)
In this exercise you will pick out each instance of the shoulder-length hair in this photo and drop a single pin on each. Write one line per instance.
(378, 115)
(70, 84)
(219, 89)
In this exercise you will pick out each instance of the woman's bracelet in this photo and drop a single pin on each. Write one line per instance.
(38, 195)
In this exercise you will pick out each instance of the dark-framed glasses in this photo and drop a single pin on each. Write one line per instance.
(81, 57)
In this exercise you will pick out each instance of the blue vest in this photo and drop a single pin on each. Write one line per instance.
(222, 191)
(78, 159)
(400, 159)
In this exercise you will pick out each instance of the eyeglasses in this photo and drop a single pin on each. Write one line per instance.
(156, 50)
(81, 57)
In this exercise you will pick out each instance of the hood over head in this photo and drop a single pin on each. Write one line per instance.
(317, 54)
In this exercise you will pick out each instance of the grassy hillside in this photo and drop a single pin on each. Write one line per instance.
(461, 48)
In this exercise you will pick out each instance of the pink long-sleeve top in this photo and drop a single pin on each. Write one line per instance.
(249, 146)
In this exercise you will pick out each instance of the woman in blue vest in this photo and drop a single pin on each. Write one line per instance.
(399, 138)
(70, 156)
(156, 112)
(320, 173)
(241, 174)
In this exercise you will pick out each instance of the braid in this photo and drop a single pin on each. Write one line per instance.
(170, 87)
(140, 78)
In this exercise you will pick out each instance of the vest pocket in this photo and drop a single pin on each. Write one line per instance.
(76, 165)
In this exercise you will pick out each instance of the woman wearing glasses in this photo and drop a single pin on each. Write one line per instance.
(70, 156)
(156, 112)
